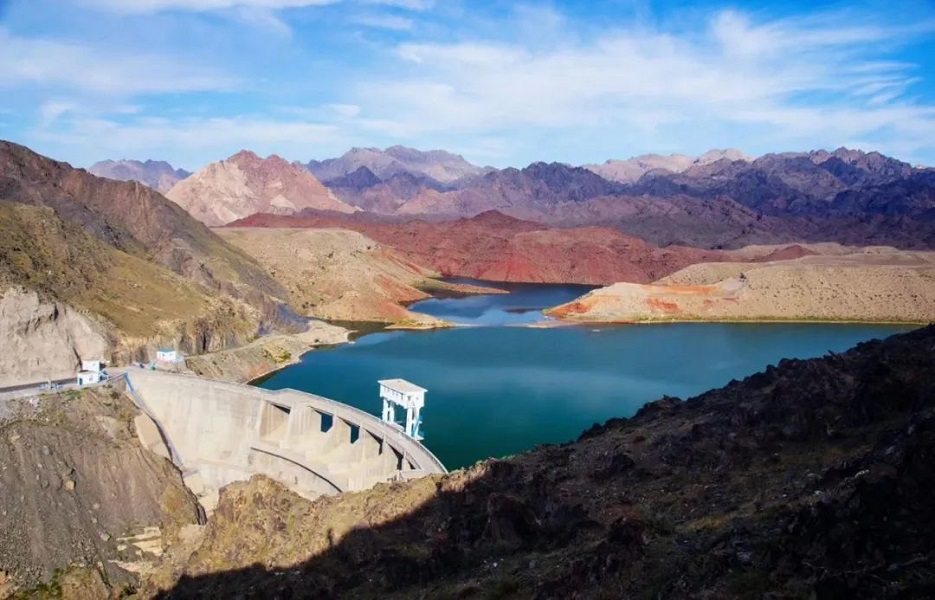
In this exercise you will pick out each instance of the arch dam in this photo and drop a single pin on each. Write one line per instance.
(218, 432)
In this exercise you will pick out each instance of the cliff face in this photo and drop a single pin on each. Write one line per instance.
(809, 480)
(78, 491)
(117, 261)
(44, 340)
(67, 296)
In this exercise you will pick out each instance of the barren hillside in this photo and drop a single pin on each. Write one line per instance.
(877, 285)
(495, 247)
(338, 275)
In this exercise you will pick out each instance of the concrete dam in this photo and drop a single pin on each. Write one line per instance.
(218, 432)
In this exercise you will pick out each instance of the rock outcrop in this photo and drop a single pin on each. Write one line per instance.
(45, 339)
(809, 480)
(82, 503)
(245, 184)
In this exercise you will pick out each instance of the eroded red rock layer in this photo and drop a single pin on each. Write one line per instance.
(495, 247)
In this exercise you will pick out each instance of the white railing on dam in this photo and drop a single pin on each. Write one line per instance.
(227, 432)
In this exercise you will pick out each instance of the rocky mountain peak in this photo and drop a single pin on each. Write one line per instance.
(244, 157)
(246, 184)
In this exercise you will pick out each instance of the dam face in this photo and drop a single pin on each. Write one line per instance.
(218, 433)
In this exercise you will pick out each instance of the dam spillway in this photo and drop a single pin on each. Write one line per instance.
(218, 432)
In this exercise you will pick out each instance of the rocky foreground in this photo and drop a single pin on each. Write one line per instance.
(873, 285)
(812, 479)
(83, 506)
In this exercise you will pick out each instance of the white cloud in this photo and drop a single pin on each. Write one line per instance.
(808, 81)
(152, 6)
(187, 141)
(404, 4)
(51, 110)
(391, 22)
(345, 110)
(81, 67)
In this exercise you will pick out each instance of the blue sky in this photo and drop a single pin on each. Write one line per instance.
(503, 83)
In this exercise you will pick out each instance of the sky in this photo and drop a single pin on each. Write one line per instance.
(502, 83)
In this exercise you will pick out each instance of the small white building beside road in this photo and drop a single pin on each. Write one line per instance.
(92, 371)
(90, 377)
(167, 355)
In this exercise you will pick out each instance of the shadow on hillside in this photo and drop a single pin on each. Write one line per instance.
(486, 529)
(811, 479)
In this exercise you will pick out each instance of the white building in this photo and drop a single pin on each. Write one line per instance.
(93, 366)
(401, 393)
(167, 355)
(89, 377)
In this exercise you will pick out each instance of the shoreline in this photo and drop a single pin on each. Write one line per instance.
(752, 321)
(295, 360)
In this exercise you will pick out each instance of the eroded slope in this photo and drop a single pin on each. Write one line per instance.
(338, 275)
(78, 490)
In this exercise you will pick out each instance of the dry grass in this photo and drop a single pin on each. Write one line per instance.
(61, 260)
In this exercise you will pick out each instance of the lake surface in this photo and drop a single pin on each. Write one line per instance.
(522, 306)
(496, 390)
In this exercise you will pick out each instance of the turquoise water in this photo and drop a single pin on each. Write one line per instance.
(496, 390)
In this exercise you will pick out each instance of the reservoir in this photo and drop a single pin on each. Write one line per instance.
(496, 387)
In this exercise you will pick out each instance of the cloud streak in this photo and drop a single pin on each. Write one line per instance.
(503, 88)
(800, 80)
(152, 6)
(74, 66)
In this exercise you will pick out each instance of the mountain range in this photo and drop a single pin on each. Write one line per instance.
(721, 199)
(438, 165)
(631, 169)
(495, 247)
(157, 174)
